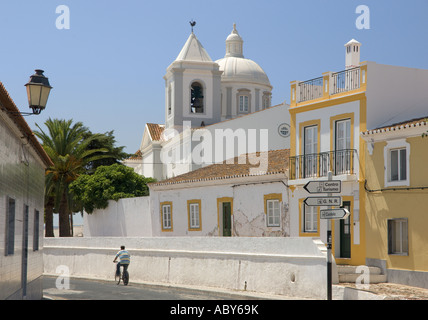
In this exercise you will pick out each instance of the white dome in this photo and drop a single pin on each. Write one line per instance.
(242, 70)
(235, 67)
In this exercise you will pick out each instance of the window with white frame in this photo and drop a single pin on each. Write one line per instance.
(396, 157)
(310, 219)
(273, 213)
(243, 103)
(398, 164)
(398, 242)
(194, 216)
(166, 217)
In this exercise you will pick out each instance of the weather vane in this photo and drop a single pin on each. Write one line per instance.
(192, 24)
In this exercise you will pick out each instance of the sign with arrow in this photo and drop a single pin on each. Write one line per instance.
(331, 214)
(330, 186)
(323, 201)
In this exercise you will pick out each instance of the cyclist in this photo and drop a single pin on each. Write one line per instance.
(125, 259)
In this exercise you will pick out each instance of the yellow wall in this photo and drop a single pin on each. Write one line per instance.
(387, 204)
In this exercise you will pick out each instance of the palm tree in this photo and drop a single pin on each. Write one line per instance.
(68, 149)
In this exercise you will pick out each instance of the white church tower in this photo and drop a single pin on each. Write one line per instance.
(192, 88)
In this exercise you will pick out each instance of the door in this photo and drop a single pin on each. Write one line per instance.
(343, 146)
(310, 151)
(227, 219)
(345, 233)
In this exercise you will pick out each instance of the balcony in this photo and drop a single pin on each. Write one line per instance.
(318, 165)
(329, 85)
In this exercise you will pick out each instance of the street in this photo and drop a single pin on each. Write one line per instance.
(86, 289)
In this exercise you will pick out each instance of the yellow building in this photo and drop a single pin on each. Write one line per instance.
(327, 116)
(396, 201)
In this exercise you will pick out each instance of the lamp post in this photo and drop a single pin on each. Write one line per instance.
(38, 89)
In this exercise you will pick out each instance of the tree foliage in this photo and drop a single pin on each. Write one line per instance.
(72, 148)
(108, 183)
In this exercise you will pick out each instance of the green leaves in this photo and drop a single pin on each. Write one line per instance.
(108, 183)
(74, 151)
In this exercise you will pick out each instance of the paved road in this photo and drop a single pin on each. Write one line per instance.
(84, 289)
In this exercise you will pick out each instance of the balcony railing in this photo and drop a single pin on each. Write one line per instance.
(329, 84)
(311, 89)
(346, 80)
(319, 164)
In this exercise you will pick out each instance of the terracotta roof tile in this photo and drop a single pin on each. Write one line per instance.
(400, 125)
(155, 131)
(277, 163)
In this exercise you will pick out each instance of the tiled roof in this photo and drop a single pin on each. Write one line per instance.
(277, 163)
(155, 131)
(136, 156)
(7, 103)
(418, 122)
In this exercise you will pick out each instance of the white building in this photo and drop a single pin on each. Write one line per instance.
(219, 200)
(22, 183)
(230, 97)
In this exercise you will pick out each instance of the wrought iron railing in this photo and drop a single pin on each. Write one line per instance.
(319, 164)
(346, 80)
(311, 89)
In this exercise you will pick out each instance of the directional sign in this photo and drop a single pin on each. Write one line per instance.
(330, 186)
(331, 214)
(323, 201)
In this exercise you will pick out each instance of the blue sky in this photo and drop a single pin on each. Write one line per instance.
(107, 69)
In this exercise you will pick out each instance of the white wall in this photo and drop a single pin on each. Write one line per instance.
(395, 94)
(124, 218)
(287, 266)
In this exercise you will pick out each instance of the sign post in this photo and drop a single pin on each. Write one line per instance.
(329, 269)
(329, 186)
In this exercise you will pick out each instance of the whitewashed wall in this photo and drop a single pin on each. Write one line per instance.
(286, 266)
(125, 218)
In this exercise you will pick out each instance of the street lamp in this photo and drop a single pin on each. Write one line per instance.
(38, 89)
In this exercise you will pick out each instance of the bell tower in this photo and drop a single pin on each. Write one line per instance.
(192, 87)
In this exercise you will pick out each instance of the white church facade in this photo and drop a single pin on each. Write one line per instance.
(214, 111)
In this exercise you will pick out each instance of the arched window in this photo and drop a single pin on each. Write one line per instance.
(196, 98)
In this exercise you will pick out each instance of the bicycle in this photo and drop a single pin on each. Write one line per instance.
(123, 275)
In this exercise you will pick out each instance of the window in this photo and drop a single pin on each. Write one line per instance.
(396, 162)
(36, 230)
(243, 103)
(194, 213)
(398, 165)
(169, 100)
(266, 100)
(398, 242)
(342, 154)
(310, 219)
(166, 215)
(10, 227)
(273, 213)
(273, 209)
(196, 98)
(311, 150)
